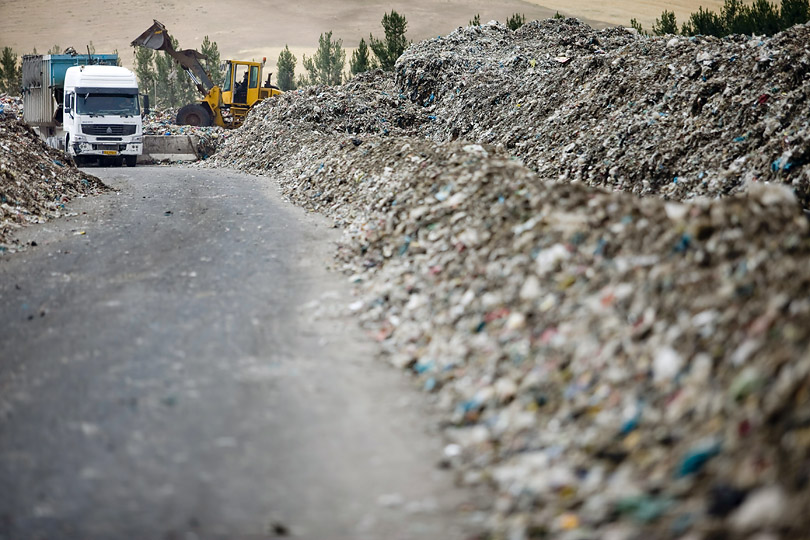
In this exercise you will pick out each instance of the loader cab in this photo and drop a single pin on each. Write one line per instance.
(241, 85)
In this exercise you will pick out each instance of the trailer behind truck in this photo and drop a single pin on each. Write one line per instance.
(85, 105)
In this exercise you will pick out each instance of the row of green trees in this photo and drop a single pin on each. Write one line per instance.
(327, 65)
(736, 17)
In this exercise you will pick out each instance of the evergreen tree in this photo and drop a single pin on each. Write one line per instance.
(637, 25)
(212, 60)
(765, 18)
(10, 72)
(736, 17)
(558, 15)
(286, 69)
(326, 66)
(666, 24)
(476, 21)
(704, 22)
(516, 21)
(165, 95)
(56, 49)
(394, 45)
(361, 60)
(145, 72)
(794, 12)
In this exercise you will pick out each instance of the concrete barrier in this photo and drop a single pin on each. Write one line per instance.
(169, 148)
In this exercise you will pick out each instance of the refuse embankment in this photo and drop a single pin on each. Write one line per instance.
(613, 366)
(676, 116)
(35, 181)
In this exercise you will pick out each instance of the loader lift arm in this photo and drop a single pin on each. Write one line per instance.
(157, 38)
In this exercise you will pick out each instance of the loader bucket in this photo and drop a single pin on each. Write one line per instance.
(155, 38)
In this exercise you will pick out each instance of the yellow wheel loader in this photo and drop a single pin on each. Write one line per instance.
(225, 107)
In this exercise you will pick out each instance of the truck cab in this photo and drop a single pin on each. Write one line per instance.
(101, 115)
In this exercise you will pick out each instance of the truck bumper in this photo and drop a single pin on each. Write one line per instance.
(107, 149)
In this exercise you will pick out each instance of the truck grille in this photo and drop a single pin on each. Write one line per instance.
(109, 129)
(117, 147)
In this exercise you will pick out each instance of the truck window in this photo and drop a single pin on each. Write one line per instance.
(108, 104)
(254, 76)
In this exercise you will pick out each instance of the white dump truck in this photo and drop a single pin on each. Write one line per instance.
(85, 105)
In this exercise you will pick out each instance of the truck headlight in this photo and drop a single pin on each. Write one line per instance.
(79, 138)
(137, 139)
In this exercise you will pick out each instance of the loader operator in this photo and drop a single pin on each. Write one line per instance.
(240, 96)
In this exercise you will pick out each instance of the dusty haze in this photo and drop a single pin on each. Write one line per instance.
(252, 29)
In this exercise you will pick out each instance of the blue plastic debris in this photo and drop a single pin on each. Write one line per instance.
(683, 243)
(696, 458)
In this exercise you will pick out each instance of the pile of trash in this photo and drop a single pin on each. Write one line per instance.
(36, 181)
(612, 366)
(675, 116)
(11, 106)
(369, 104)
(206, 138)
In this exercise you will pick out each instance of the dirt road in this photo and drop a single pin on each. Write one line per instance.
(159, 377)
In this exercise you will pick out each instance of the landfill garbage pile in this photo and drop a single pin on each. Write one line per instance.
(36, 181)
(11, 106)
(369, 104)
(675, 116)
(207, 138)
(613, 367)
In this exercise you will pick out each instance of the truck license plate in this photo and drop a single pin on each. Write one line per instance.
(110, 152)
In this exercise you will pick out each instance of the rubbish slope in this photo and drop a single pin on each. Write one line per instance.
(35, 181)
(677, 117)
(614, 366)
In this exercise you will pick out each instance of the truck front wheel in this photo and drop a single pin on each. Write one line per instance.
(194, 114)
(131, 160)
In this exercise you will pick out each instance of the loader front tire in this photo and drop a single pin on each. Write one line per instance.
(194, 114)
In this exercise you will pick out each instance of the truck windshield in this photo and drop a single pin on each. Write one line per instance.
(108, 104)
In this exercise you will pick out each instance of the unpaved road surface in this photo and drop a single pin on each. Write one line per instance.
(159, 378)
